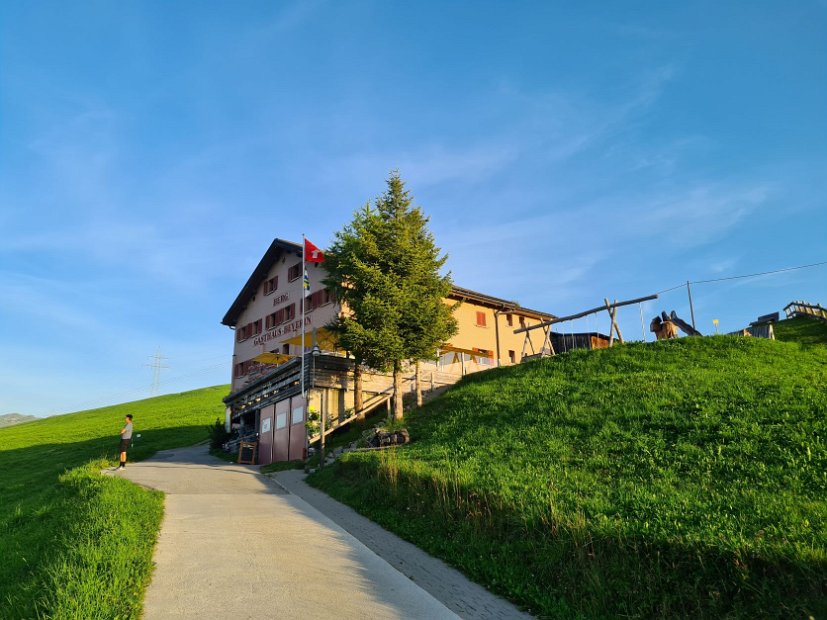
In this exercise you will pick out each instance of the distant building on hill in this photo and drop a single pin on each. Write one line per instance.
(265, 397)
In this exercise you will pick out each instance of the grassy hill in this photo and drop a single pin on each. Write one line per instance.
(801, 329)
(681, 478)
(74, 543)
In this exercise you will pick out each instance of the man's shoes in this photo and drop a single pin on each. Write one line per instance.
(121, 466)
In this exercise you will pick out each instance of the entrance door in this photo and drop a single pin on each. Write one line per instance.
(265, 436)
(281, 436)
(298, 432)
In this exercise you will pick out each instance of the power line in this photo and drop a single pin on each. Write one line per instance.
(749, 275)
(763, 273)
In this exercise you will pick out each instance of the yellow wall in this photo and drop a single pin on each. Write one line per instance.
(471, 335)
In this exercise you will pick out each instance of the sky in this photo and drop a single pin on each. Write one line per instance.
(564, 152)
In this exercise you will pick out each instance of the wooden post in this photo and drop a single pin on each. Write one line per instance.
(547, 340)
(617, 327)
(418, 386)
(612, 325)
(612, 310)
(691, 306)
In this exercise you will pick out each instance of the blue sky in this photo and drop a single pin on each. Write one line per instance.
(149, 153)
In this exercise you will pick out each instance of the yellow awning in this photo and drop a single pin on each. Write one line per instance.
(324, 338)
(272, 358)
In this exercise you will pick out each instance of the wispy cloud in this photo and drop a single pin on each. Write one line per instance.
(700, 214)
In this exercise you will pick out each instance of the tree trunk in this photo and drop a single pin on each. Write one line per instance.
(398, 411)
(358, 396)
(418, 386)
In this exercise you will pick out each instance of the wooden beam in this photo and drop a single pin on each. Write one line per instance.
(571, 317)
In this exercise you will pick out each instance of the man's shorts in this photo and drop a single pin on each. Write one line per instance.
(125, 444)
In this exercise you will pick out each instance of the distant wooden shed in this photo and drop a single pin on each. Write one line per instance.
(584, 340)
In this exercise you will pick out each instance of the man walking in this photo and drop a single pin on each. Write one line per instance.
(126, 439)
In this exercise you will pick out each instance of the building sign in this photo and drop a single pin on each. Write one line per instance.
(281, 330)
(265, 425)
(280, 299)
(281, 421)
(298, 415)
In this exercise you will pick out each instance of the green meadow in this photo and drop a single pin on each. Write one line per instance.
(803, 330)
(683, 478)
(75, 543)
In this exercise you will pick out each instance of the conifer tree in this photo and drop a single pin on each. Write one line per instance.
(384, 267)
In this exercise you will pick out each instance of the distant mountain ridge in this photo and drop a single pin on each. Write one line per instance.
(10, 419)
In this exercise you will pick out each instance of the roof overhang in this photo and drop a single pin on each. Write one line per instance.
(278, 248)
(503, 305)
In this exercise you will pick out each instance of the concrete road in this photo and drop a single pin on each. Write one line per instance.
(235, 545)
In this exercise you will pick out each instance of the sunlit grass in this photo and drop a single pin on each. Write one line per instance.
(74, 543)
(684, 478)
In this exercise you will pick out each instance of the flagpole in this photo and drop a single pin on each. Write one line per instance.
(304, 271)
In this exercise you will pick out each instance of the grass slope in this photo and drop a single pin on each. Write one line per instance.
(679, 478)
(74, 543)
(802, 330)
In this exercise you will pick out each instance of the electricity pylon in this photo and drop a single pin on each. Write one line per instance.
(156, 366)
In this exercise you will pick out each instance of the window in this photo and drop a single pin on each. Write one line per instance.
(480, 319)
(243, 368)
(509, 318)
(295, 272)
(512, 357)
(257, 328)
(289, 312)
(285, 348)
(319, 298)
(242, 333)
(270, 321)
(271, 285)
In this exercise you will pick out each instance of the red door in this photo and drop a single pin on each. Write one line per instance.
(281, 435)
(265, 436)
(298, 432)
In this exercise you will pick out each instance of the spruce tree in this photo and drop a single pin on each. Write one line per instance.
(384, 267)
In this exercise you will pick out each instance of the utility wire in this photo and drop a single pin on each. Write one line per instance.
(763, 273)
(749, 275)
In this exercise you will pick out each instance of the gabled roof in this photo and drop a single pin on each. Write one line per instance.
(495, 302)
(280, 246)
(273, 253)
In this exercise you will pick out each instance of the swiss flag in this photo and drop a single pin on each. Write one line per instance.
(312, 254)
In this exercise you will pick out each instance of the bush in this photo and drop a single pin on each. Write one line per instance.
(218, 434)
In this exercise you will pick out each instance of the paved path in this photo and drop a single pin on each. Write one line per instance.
(465, 598)
(236, 545)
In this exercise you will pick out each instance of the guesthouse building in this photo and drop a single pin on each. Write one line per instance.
(266, 399)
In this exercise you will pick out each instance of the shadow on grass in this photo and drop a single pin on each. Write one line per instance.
(563, 570)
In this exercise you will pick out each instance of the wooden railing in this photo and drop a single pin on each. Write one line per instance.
(802, 308)
(380, 388)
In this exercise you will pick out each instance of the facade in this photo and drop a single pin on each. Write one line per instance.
(265, 397)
